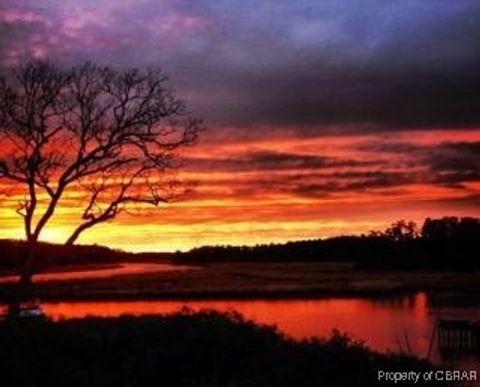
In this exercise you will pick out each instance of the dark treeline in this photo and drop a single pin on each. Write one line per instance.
(449, 242)
(13, 252)
(445, 243)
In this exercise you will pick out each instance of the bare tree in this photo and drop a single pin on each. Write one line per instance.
(111, 134)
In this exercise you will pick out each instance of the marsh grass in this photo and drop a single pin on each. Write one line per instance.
(188, 348)
(257, 280)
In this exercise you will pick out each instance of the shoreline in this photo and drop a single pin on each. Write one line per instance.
(84, 349)
(116, 296)
(246, 281)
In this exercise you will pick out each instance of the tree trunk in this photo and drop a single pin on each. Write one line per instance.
(23, 289)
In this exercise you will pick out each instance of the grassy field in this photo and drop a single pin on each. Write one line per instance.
(261, 280)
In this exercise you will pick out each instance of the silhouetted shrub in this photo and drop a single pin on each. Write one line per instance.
(184, 349)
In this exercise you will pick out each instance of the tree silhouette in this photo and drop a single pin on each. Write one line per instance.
(110, 134)
(402, 230)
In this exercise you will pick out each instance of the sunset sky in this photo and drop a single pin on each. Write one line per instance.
(323, 117)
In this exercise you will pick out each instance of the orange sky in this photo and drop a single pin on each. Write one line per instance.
(324, 117)
(257, 189)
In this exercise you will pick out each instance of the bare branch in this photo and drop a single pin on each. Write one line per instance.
(118, 132)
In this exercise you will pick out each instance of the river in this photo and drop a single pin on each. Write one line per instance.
(98, 272)
(401, 323)
(394, 324)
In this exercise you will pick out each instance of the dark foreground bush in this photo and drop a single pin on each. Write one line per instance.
(206, 349)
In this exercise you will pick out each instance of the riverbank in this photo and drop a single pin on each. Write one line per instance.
(186, 349)
(256, 280)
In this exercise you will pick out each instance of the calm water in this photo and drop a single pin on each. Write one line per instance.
(100, 272)
(384, 325)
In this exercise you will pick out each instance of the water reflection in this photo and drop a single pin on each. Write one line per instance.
(385, 325)
(388, 324)
(100, 272)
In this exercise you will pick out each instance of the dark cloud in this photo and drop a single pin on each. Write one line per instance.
(282, 160)
(371, 181)
(307, 67)
(18, 40)
(418, 72)
(385, 163)
(273, 161)
(391, 147)
(453, 164)
(351, 64)
(456, 156)
(468, 201)
(312, 183)
(448, 163)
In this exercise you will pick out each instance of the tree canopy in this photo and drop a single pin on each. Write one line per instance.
(107, 133)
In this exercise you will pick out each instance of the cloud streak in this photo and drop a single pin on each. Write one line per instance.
(348, 113)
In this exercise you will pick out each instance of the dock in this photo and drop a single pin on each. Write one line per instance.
(458, 334)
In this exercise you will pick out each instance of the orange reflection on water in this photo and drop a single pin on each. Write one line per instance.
(100, 272)
(379, 324)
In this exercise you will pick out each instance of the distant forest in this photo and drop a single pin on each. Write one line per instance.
(445, 243)
(448, 242)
